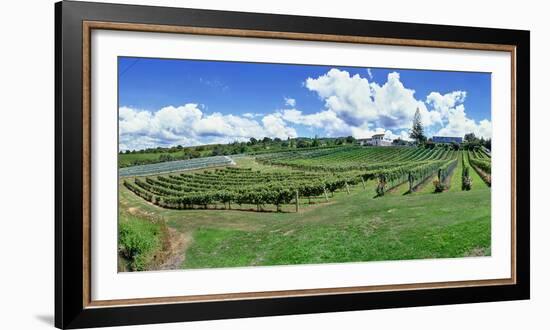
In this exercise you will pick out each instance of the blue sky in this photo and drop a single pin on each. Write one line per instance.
(172, 101)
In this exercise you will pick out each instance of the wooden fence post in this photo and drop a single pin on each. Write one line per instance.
(363, 181)
(326, 196)
(296, 200)
(347, 187)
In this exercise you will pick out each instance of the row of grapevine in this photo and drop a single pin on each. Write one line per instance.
(484, 165)
(414, 174)
(356, 158)
(444, 173)
(187, 191)
(481, 163)
(466, 178)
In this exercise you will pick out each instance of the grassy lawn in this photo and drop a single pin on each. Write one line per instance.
(347, 228)
(399, 190)
(456, 179)
(426, 187)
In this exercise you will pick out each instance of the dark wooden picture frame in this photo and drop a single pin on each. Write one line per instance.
(74, 22)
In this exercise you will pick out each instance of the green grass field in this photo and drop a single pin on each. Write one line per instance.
(137, 158)
(348, 228)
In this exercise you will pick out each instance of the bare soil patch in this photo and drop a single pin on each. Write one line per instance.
(176, 244)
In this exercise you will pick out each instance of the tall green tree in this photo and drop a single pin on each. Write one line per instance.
(417, 131)
(470, 137)
(315, 142)
(350, 139)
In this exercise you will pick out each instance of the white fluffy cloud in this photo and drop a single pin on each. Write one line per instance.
(358, 106)
(274, 126)
(444, 103)
(349, 97)
(353, 105)
(334, 126)
(188, 125)
(326, 120)
(459, 124)
(455, 122)
(290, 102)
(252, 115)
(357, 101)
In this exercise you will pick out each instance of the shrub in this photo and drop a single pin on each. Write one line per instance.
(138, 240)
(381, 187)
(466, 179)
(166, 158)
(439, 186)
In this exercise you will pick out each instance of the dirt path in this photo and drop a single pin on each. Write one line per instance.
(177, 244)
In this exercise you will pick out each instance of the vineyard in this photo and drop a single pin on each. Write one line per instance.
(233, 185)
(308, 206)
(355, 158)
(287, 177)
(390, 167)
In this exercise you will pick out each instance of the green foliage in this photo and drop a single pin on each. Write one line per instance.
(414, 173)
(481, 162)
(439, 185)
(417, 131)
(138, 240)
(381, 186)
(442, 182)
(302, 143)
(470, 137)
(429, 145)
(253, 146)
(472, 142)
(484, 165)
(351, 158)
(315, 142)
(238, 185)
(466, 179)
(352, 229)
(400, 142)
(166, 157)
(312, 173)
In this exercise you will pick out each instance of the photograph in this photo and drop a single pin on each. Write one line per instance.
(248, 164)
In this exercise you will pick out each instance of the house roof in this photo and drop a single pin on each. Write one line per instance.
(381, 134)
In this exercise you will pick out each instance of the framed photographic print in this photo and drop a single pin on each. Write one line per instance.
(218, 164)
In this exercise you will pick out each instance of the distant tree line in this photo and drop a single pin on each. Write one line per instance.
(252, 146)
(470, 141)
(269, 145)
